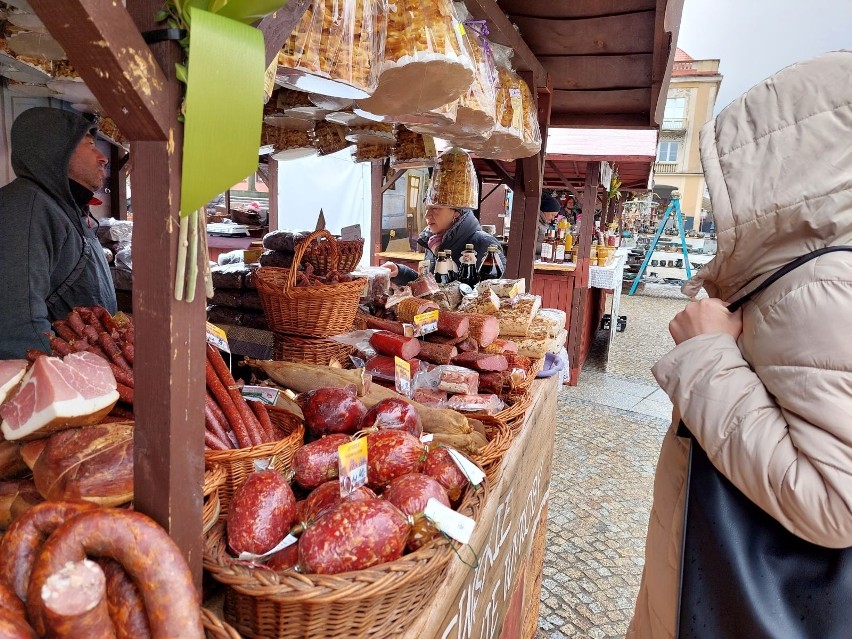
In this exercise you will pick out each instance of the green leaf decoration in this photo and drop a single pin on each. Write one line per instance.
(180, 73)
(222, 136)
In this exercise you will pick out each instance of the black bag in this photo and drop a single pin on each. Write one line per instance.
(743, 575)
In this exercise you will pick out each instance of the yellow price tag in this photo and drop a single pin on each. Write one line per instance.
(462, 31)
(425, 323)
(217, 337)
(352, 465)
(402, 378)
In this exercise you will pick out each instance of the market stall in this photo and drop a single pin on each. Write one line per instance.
(412, 571)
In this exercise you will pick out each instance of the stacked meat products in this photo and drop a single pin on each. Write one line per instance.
(235, 299)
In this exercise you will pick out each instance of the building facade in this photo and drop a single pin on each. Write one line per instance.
(689, 105)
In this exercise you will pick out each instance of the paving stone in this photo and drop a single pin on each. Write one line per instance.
(609, 430)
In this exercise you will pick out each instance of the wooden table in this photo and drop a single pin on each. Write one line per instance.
(500, 598)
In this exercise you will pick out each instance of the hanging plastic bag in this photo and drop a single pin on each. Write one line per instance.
(454, 182)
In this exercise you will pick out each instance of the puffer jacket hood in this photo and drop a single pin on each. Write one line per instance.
(43, 141)
(797, 191)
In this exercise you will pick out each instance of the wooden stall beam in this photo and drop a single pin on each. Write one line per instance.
(277, 27)
(118, 182)
(272, 184)
(502, 174)
(168, 442)
(484, 196)
(376, 179)
(502, 31)
(393, 179)
(581, 274)
(106, 48)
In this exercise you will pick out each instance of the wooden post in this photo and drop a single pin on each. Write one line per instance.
(376, 179)
(272, 185)
(117, 182)
(169, 408)
(581, 275)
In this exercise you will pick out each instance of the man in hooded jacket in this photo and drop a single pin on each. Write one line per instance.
(766, 391)
(52, 260)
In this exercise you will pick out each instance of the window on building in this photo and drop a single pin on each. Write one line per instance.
(674, 116)
(668, 151)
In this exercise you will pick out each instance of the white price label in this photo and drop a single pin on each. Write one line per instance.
(263, 394)
(448, 521)
(288, 541)
(426, 438)
(262, 464)
(217, 337)
(470, 470)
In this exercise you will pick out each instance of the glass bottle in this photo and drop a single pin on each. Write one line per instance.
(559, 247)
(452, 267)
(569, 239)
(547, 248)
(468, 274)
(442, 272)
(491, 268)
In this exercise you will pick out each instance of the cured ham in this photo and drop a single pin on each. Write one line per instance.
(11, 373)
(78, 390)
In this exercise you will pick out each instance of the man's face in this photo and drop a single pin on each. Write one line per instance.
(86, 166)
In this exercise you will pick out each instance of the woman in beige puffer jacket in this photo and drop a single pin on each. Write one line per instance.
(767, 394)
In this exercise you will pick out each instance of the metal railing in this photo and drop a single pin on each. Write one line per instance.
(666, 167)
(674, 124)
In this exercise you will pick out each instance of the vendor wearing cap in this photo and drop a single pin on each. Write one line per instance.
(452, 196)
(547, 212)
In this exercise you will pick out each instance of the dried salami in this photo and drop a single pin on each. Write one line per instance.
(261, 513)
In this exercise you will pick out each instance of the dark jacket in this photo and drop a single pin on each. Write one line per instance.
(51, 259)
(466, 230)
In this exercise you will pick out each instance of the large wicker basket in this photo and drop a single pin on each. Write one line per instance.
(375, 602)
(499, 437)
(289, 348)
(215, 477)
(215, 628)
(240, 463)
(322, 310)
(319, 254)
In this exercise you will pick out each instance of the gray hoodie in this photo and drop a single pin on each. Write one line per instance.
(52, 260)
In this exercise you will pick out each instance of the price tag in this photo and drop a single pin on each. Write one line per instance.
(289, 540)
(402, 376)
(217, 337)
(429, 145)
(470, 470)
(263, 394)
(352, 464)
(426, 438)
(262, 464)
(462, 31)
(448, 521)
(425, 323)
(517, 108)
(269, 80)
(349, 233)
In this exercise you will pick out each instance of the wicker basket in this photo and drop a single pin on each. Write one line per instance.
(308, 311)
(516, 406)
(289, 348)
(240, 463)
(215, 476)
(215, 628)
(319, 255)
(375, 602)
(500, 438)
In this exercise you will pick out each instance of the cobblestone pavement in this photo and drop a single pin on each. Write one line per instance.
(609, 430)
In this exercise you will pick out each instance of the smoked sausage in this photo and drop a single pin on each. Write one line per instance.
(10, 602)
(317, 462)
(75, 603)
(147, 554)
(261, 513)
(14, 627)
(125, 603)
(21, 543)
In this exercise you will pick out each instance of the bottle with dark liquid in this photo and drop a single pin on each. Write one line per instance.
(490, 269)
(467, 273)
(442, 272)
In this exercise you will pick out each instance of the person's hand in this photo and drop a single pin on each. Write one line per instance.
(705, 317)
(393, 268)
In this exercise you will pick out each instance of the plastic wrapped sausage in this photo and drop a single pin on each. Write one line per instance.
(393, 345)
(261, 513)
(440, 466)
(410, 493)
(331, 410)
(391, 453)
(317, 462)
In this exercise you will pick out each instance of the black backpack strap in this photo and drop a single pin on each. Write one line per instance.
(781, 272)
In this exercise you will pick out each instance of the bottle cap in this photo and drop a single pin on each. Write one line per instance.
(468, 247)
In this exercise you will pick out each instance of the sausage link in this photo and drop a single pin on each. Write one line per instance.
(109, 347)
(145, 551)
(10, 601)
(122, 410)
(227, 405)
(14, 627)
(88, 316)
(76, 323)
(214, 419)
(122, 376)
(253, 427)
(107, 320)
(125, 603)
(75, 603)
(130, 334)
(125, 393)
(214, 442)
(20, 544)
(60, 347)
(33, 354)
(63, 330)
(129, 352)
(91, 334)
(262, 415)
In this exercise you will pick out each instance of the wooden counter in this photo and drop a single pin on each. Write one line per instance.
(500, 597)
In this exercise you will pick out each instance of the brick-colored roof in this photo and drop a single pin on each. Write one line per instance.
(682, 56)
